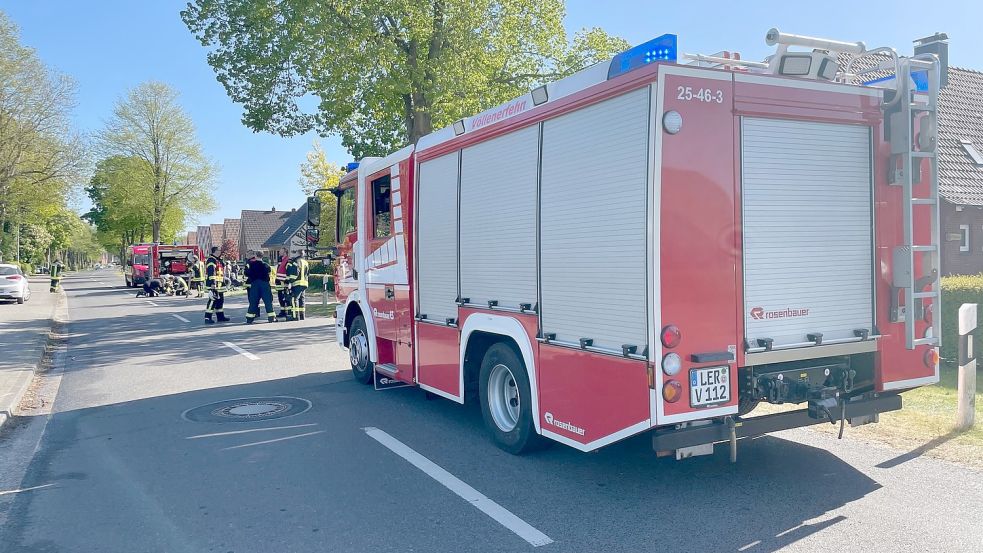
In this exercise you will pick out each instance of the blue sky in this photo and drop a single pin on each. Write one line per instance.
(109, 46)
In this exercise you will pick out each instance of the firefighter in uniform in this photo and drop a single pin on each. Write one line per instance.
(56, 269)
(198, 276)
(258, 288)
(297, 271)
(215, 280)
(281, 285)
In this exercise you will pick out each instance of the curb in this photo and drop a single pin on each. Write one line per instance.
(58, 318)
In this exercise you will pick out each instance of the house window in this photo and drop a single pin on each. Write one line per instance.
(971, 152)
(964, 243)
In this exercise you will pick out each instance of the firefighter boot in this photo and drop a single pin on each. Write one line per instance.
(270, 318)
(208, 320)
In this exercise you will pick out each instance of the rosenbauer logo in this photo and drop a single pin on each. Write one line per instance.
(759, 313)
(564, 425)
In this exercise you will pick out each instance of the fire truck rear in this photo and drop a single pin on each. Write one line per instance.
(651, 246)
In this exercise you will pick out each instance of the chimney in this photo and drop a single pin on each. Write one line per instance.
(937, 44)
(273, 210)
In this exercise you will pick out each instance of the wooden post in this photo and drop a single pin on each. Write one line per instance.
(966, 390)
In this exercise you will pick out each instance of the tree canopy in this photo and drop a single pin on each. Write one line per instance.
(382, 73)
(166, 171)
(41, 154)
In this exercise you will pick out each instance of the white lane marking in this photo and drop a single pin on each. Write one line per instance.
(241, 351)
(32, 488)
(180, 318)
(500, 514)
(233, 432)
(251, 444)
(152, 303)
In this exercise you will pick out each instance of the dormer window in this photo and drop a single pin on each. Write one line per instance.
(971, 152)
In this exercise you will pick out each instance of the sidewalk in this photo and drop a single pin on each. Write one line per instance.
(24, 333)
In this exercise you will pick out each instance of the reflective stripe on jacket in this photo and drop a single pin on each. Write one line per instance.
(297, 271)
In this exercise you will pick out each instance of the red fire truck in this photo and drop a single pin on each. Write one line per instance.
(652, 246)
(148, 261)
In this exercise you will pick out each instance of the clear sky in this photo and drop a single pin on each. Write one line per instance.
(109, 46)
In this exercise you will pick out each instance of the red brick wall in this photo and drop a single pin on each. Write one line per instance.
(955, 262)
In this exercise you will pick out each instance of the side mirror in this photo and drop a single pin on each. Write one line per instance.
(313, 236)
(314, 211)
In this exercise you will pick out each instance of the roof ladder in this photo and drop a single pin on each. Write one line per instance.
(913, 137)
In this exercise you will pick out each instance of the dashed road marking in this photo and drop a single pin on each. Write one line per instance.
(180, 318)
(275, 440)
(241, 351)
(249, 431)
(152, 303)
(500, 514)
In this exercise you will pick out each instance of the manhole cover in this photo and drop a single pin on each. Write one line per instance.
(248, 409)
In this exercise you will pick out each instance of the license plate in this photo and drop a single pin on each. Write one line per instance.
(709, 386)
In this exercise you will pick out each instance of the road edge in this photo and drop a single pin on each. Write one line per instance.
(56, 319)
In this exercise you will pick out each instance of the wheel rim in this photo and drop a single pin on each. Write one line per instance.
(358, 350)
(503, 398)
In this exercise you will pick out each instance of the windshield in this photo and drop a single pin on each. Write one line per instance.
(9, 271)
(141, 259)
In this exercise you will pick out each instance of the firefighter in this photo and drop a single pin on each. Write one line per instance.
(258, 288)
(281, 285)
(297, 271)
(215, 280)
(56, 269)
(180, 286)
(197, 275)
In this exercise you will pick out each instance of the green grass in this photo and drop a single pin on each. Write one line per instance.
(318, 310)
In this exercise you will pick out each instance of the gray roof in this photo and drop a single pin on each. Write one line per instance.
(296, 221)
(258, 226)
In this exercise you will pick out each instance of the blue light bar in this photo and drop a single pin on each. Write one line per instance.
(919, 78)
(660, 49)
(351, 167)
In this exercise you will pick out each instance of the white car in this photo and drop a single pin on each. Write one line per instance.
(13, 284)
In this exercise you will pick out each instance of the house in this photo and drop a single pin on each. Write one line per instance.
(192, 238)
(217, 235)
(256, 227)
(231, 231)
(205, 239)
(292, 234)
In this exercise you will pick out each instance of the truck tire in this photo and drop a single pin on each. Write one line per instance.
(358, 351)
(506, 401)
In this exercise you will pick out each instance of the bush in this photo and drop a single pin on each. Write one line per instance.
(27, 268)
(957, 290)
(316, 282)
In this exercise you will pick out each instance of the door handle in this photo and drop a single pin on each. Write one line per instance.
(390, 293)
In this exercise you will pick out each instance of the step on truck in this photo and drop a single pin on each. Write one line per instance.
(659, 243)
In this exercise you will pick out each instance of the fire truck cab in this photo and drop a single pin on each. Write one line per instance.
(652, 246)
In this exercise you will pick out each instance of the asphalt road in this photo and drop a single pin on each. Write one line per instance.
(113, 461)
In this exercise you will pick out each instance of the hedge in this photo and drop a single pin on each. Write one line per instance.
(316, 282)
(957, 290)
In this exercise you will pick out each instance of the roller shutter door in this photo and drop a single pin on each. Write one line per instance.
(808, 245)
(498, 215)
(437, 238)
(593, 223)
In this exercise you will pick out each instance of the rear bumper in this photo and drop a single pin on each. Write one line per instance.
(673, 438)
(12, 294)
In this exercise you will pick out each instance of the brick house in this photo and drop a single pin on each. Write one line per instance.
(961, 172)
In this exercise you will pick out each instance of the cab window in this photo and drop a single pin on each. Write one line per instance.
(346, 213)
(381, 207)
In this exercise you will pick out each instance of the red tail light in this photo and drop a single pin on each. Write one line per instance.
(671, 336)
(931, 358)
(14, 277)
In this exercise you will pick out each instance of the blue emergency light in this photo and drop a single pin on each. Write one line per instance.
(351, 166)
(660, 49)
(919, 78)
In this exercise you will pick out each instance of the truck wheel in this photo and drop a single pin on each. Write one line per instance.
(358, 351)
(506, 401)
